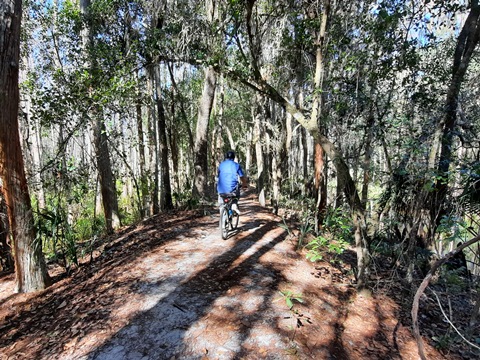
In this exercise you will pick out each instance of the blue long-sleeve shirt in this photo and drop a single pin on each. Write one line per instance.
(228, 173)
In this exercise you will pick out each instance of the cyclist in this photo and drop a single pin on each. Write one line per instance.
(228, 173)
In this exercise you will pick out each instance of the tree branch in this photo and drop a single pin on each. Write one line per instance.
(424, 285)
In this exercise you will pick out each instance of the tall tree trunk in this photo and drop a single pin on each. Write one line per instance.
(216, 152)
(31, 272)
(141, 156)
(317, 115)
(107, 182)
(200, 188)
(166, 202)
(34, 144)
(368, 156)
(258, 135)
(184, 115)
(100, 139)
(152, 144)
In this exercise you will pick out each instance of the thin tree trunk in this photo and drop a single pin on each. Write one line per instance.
(152, 145)
(279, 143)
(191, 141)
(367, 158)
(217, 134)
(100, 139)
(31, 272)
(259, 151)
(319, 185)
(248, 148)
(166, 189)
(35, 149)
(141, 156)
(318, 110)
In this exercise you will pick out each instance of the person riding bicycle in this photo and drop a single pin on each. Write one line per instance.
(228, 173)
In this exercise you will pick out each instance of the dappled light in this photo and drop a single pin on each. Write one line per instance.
(262, 179)
(171, 286)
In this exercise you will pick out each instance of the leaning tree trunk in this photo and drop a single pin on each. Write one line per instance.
(466, 44)
(31, 272)
(343, 176)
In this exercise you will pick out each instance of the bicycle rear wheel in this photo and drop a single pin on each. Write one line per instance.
(234, 221)
(224, 222)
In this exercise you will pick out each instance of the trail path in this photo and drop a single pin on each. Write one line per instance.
(171, 288)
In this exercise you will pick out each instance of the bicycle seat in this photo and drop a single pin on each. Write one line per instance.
(228, 195)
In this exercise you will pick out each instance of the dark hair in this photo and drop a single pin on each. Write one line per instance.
(230, 155)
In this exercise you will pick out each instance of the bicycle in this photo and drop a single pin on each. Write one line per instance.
(228, 217)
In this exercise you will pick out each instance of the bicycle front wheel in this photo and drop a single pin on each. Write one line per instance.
(224, 222)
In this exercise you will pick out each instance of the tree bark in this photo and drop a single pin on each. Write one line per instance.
(368, 157)
(31, 272)
(6, 258)
(258, 135)
(424, 285)
(200, 188)
(107, 182)
(466, 44)
(166, 202)
(100, 139)
(152, 144)
(141, 156)
(317, 115)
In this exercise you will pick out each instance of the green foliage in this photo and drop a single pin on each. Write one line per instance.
(452, 228)
(285, 227)
(321, 245)
(127, 208)
(185, 200)
(57, 235)
(443, 342)
(453, 279)
(62, 235)
(306, 227)
(339, 223)
(290, 297)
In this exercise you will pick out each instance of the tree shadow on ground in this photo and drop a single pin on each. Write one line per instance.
(160, 332)
(187, 312)
(43, 323)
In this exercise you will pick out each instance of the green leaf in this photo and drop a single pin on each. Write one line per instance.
(289, 302)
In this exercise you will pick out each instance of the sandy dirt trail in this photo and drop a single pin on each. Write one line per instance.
(171, 288)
